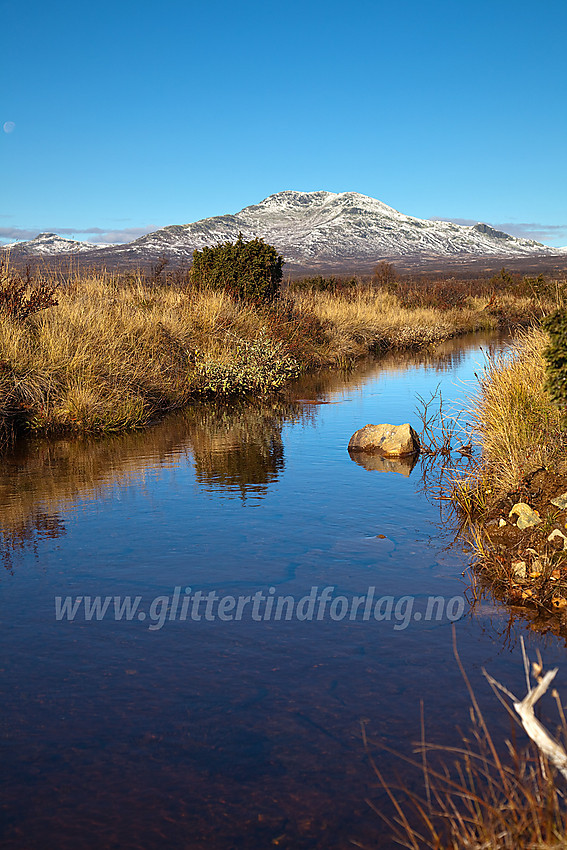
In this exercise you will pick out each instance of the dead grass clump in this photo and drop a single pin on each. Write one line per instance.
(370, 319)
(523, 443)
(116, 351)
(112, 356)
(516, 422)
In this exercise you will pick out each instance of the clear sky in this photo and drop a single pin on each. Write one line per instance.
(121, 117)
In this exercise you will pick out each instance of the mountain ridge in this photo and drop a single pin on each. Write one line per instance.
(310, 229)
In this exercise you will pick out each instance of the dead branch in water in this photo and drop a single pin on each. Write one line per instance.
(473, 797)
(545, 742)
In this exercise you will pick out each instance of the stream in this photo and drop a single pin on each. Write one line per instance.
(193, 718)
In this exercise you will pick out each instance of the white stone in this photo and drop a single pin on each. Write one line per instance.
(526, 516)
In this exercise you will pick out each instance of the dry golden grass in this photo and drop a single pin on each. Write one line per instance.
(517, 424)
(110, 357)
(116, 352)
(373, 319)
(481, 795)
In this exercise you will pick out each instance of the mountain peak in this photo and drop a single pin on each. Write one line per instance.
(294, 199)
(311, 229)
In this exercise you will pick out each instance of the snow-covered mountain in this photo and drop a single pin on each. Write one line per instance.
(310, 228)
(48, 244)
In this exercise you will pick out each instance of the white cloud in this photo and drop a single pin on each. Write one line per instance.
(87, 234)
(524, 230)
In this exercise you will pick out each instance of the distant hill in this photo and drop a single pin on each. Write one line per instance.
(313, 231)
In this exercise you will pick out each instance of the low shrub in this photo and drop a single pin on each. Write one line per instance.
(20, 297)
(318, 283)
(258, 366)
(251, 271)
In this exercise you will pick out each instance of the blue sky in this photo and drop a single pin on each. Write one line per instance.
(119, 118)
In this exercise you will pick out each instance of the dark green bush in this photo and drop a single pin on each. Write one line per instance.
(504, 279)
(556, 358)
(251, 270)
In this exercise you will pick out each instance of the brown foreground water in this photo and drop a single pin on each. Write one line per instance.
(157, 717)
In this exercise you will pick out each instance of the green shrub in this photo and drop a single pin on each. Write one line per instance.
(504, 279)
(556, 358)
(251, 271)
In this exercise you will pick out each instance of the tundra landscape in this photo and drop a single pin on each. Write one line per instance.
(283, 426)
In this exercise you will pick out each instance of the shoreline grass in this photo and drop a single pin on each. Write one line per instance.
(117, 352)
(523, 462)
(485, 792)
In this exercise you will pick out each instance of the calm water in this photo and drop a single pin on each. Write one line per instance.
(233, 733)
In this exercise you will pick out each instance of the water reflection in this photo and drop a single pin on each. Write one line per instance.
(376, 463)
(28, 533)
(442, 358)
(212, 734)
(236, 449)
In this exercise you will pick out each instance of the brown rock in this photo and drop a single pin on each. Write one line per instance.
(386, 440)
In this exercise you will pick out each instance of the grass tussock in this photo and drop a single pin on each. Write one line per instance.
(517, 423)
(523, 467)
(104, 352)
(112, 357)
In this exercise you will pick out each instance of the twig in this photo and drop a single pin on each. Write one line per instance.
(551, 748)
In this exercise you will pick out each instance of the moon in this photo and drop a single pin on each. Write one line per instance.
(9, 126)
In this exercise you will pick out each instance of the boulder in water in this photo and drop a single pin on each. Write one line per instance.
(386, 440)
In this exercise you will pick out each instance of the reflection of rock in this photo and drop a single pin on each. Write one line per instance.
(386, 440)
(377, 463)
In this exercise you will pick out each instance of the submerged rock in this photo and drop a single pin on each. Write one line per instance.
(526, 516)
(386, 440)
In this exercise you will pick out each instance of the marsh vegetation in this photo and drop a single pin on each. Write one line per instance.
(106, 351)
